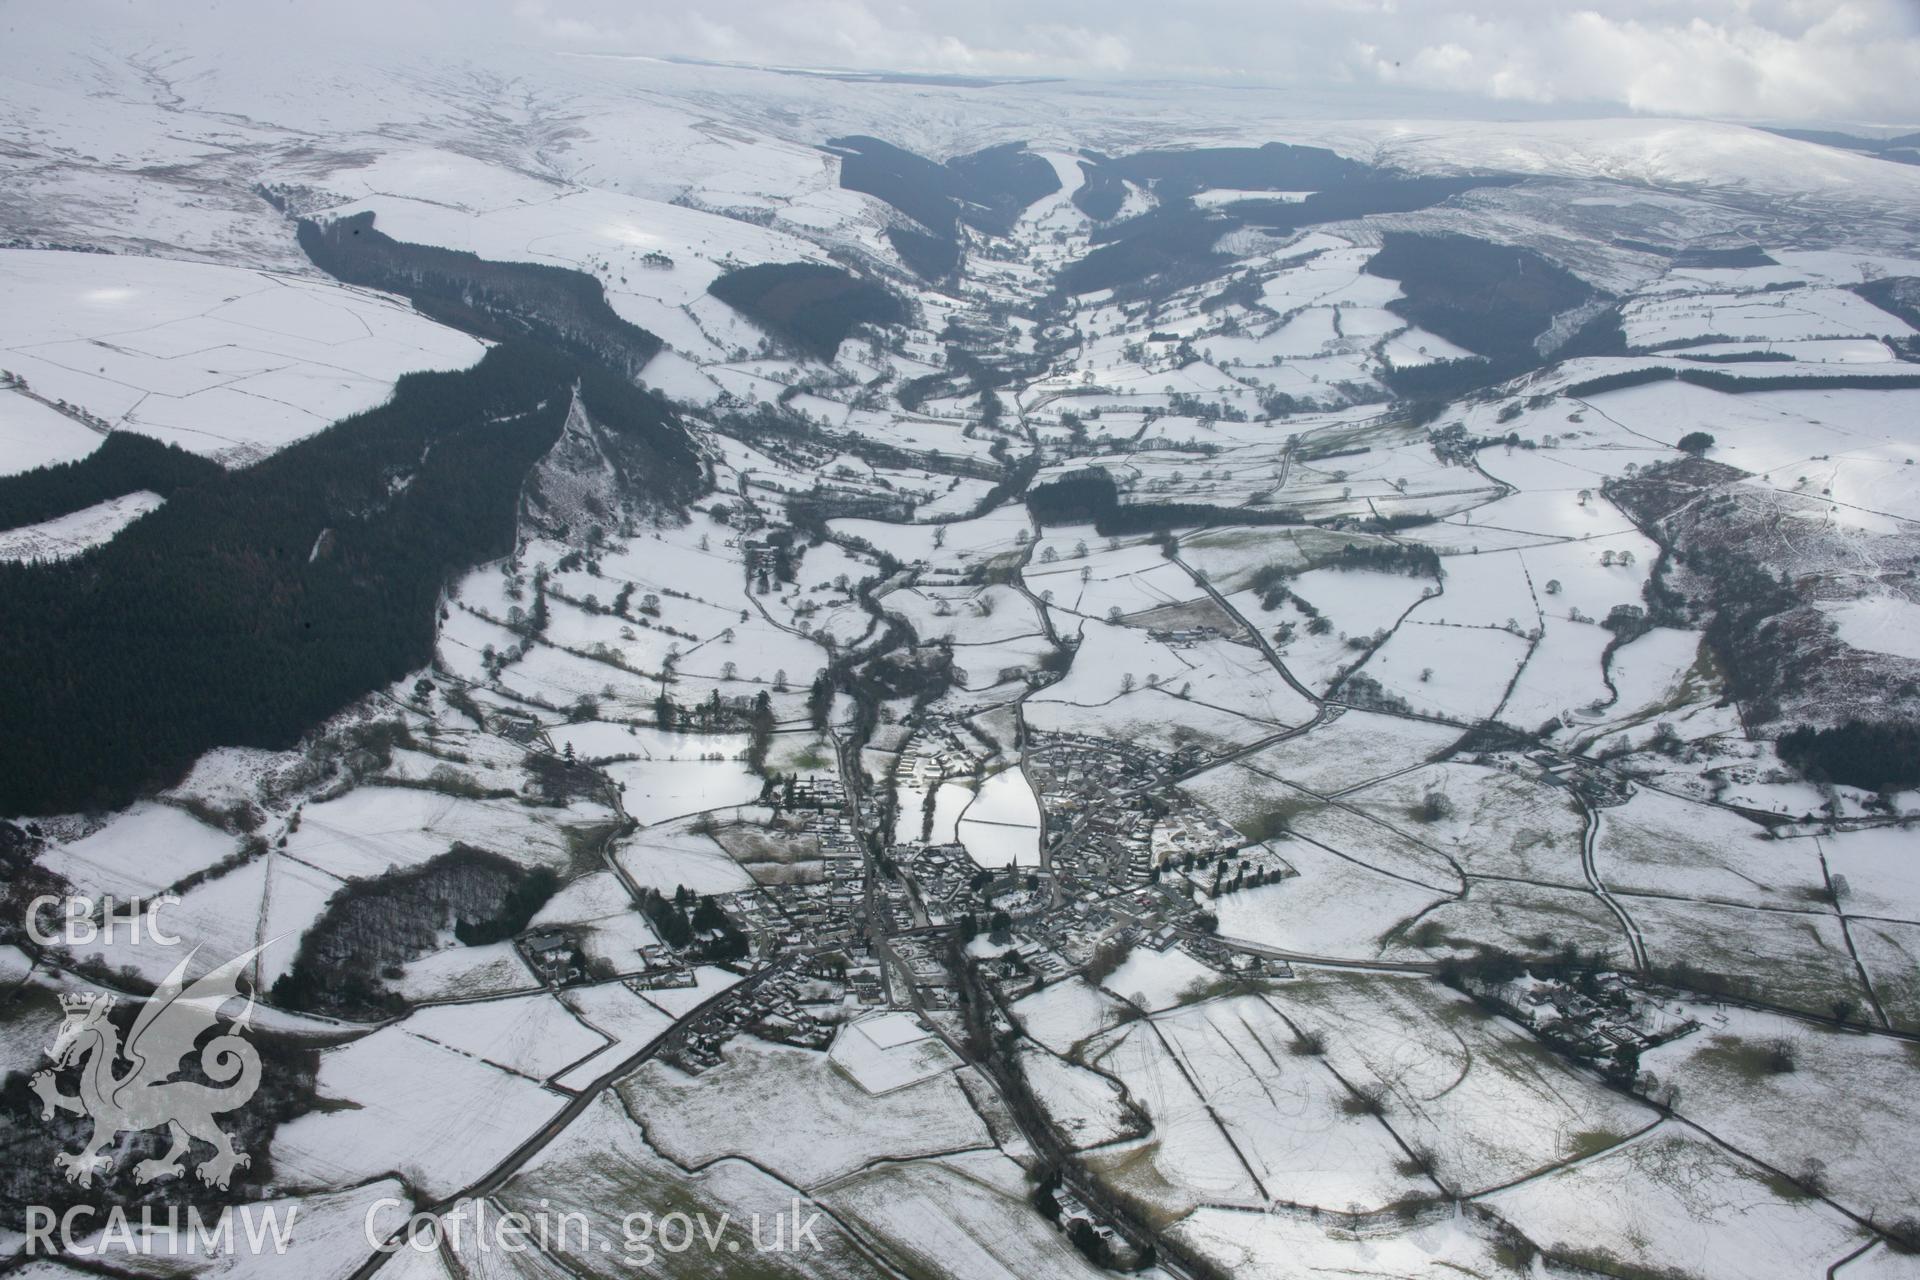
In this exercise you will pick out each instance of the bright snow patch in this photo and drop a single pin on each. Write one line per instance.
(65, 536)
(223, 361)
(1879, 624)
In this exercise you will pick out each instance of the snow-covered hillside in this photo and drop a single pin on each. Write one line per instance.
(1210, 681)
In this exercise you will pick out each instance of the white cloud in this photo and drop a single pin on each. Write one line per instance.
(1739, 58)
(1743, 59)
(1858, 59)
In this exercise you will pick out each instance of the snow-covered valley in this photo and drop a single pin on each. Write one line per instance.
(1067, 676)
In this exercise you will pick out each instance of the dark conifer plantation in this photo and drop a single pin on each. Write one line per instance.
(124, 463)
(257, 602)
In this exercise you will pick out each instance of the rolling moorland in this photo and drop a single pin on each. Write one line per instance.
(1078, 681)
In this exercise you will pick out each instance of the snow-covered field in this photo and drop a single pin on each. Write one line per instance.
(790, 1111)
(958, 1217)
(220, 360)
(372, 829)
(1474, 1093)
(1308, 913)
(1283, 1113)
(1266, 1246)
(1864, 1140)
(1002, 825)
(889, 1052)
(1273, 1075)
(1672, 1199)
(33, 434)
(533, 1036)
(439, 1116)
(141, 851)
(1085, 1106)
(1065, 1014)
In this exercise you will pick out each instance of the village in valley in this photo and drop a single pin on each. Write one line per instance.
(1191, 769)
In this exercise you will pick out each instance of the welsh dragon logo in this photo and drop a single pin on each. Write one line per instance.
(144, 1095)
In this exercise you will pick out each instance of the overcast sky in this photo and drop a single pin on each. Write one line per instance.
(1748, 59)
(1835, 61)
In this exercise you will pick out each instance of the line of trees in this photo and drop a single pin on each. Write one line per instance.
(693, 922)
(1878, 757)
(1091, 497)
(1416, 560)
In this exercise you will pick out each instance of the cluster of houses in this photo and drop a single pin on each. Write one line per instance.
(1027, 965)
(936, 751)
(1233, 961)
(1188, 637)
(1073, 1210)
(824, 914)
(557, 959)
(817, 807)
(815, 912)
(554, 956)
(1191, 835)
(1599, 1023)
(922, 960)
(1601, 787)
(1100, 799)
(797, 1002)
(941, 878)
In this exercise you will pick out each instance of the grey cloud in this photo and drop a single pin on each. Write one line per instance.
(1832, 60)
(1783, 59)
